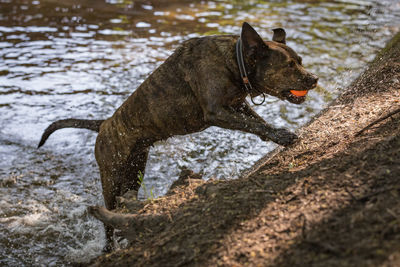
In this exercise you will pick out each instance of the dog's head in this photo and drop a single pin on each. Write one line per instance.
(274, 68)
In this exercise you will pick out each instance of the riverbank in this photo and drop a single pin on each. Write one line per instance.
(330, 200)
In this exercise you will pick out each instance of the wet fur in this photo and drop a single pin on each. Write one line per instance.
(196, 87)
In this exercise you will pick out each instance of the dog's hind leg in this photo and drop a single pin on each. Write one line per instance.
(110, 189)
(115, 220)
(118, 178)
(109, 161)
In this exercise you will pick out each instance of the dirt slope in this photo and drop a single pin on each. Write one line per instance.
(333, 199)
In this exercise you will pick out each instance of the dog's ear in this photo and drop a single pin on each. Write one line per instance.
(251, 40)
(279, 35)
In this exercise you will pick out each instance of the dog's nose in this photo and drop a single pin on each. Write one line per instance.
(312, 80)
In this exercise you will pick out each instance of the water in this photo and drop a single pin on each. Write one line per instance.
(83, 58)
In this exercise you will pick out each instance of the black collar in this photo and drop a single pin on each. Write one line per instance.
(242, 68)
(243, 72)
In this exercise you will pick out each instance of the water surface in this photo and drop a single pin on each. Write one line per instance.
(82, 59)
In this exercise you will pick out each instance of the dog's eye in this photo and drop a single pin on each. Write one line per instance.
(292, 64)
(300, 61)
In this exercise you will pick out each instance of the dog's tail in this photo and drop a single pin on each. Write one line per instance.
(93, 125)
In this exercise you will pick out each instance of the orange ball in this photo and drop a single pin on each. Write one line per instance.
(299, 93)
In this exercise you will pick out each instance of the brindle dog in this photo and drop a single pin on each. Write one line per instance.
(198, 86)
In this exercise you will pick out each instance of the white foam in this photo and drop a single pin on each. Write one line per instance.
(77, 212)
(84, 252)
(26, 224)
(4, 207)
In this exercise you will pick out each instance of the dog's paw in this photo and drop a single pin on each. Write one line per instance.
(284, 137)
(97, 211)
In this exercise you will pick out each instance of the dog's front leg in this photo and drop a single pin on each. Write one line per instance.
(247, 110)
(246, 120)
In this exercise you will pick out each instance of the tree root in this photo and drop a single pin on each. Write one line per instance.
(377, 121)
